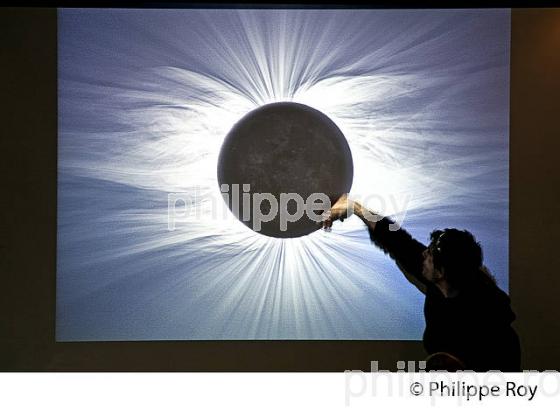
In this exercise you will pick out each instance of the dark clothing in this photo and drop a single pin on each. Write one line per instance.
(474, 326)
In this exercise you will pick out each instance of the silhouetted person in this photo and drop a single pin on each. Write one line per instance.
(468, 318)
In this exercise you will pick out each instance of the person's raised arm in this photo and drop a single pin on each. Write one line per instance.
(384, 233)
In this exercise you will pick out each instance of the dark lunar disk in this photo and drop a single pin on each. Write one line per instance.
(284, 148)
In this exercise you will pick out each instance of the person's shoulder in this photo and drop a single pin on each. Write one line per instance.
(493, 303)
(433, 292)
(491, 292)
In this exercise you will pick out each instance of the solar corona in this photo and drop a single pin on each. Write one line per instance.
(180, 130)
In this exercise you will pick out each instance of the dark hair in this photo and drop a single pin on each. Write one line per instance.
(460, 256)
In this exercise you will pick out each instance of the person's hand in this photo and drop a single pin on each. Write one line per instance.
(342, 209)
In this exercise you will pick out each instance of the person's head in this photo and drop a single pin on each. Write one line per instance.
(453, 256)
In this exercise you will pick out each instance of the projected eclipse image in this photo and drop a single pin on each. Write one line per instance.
(199, 151)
